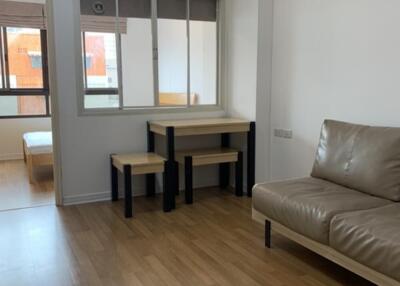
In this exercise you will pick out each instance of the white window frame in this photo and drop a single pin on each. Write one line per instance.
(220, 98)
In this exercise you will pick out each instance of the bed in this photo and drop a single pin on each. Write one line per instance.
(38, 151)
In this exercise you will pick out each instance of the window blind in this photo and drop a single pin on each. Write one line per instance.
(102, 24)
(22, 15)
(201, 10)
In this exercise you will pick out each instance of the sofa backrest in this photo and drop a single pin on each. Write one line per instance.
(360, 157)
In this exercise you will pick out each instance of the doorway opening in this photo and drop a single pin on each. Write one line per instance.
(26, 147)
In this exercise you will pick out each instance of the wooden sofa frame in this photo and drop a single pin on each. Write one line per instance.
(323, 250)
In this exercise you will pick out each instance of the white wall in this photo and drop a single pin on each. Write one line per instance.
(11, 131)
(331, 59)
(87, 141)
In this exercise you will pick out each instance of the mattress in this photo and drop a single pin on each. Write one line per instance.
(38, 142)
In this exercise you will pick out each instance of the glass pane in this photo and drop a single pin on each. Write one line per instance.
(1, 66)
(101, 60)
(172, 62)
(101, 101)
(2, 71)
(22, 105)
(137, 63)
(25, 58)
(203, 62)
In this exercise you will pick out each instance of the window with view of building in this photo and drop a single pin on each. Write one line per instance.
(24, 87)
(146, 57)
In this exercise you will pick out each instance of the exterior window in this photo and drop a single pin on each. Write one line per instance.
(146, 58)
(24, 87)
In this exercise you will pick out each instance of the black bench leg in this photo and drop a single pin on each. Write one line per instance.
(166, 199)
(114, 181)
(128, 190)
(189, 180)
(169, 196)
(172, 168)
(224, 168)
(268, 234)
(239, 175)
(150, 185)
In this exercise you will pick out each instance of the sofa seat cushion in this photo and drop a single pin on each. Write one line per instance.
(307, 205)
(371, 237)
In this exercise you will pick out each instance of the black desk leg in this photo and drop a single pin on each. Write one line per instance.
(239, 175)
(189, 180)
(150, 178)
(224, 168)
(128, 190)
(172, 168)
(114, 181)
(251, 158)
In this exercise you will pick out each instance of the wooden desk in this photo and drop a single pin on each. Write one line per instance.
(189, 127)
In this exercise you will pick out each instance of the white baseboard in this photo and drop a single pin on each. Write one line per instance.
(106, 196)
(8, 157)
(95, 197)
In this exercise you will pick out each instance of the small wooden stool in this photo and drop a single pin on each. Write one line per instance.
(194, 158)
(133, 164)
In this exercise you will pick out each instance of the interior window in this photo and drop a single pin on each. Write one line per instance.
(135, 56)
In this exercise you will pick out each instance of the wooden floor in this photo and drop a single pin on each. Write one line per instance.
(16, 191)
(213, 242)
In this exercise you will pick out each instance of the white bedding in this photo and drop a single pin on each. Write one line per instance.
(39, 142)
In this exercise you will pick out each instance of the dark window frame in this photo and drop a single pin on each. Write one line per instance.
(5, 90)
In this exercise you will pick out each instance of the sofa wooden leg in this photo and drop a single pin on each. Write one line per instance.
(268, 234)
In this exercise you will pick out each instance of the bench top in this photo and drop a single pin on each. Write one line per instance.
(137, 159)
(141, 163)
(208, 156)
(206, 152)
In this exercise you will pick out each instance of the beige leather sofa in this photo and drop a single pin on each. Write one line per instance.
(348, 210)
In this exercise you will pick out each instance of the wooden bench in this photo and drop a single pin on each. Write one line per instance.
(194, 158)
(133, 164)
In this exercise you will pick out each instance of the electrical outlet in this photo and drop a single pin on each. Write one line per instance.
(283, 133)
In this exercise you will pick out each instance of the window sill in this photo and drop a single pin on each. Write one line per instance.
(23, 116)
(153, 110)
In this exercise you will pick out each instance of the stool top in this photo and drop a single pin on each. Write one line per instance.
(137, 159)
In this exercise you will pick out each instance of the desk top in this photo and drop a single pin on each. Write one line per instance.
(201, 126)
